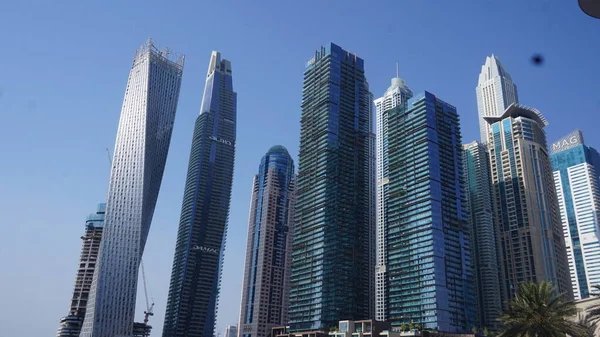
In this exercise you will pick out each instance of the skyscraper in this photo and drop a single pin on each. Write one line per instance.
(266, 283)
(70, 325)
(576, 168)
(333, 244)
(398, 93)
(495, 92)
(484, 236)
(138, 164)
(527, 213)
(428, 252)
(231, 331)
(196, 276)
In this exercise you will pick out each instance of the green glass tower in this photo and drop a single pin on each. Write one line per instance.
(333, 251)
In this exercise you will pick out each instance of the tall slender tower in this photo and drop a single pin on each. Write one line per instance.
(196, 276)
(428, 252)
(576, 169)
(484, 236)
(333, 244)
(398, 93)
(266, 284)
(138, 164)
(527, 210)
(495, 92)
(70, 325)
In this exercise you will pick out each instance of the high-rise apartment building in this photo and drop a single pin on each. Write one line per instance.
(195, 280)
(495, 92)
(428, 253)
(398, 93)
(526, 206)
(484, 236)
(70, 325)
(333, 258)
(138, 164)
(576, 169)
(231, 331)
(266, 283)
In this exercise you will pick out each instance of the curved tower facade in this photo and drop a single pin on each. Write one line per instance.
(196, 276)
(138, 164)
(266, 282)
(495, 92)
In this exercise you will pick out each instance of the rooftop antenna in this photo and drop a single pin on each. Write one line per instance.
(397, 70)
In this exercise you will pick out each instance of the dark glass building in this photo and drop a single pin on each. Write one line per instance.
(333, 254)
(196, 275)
(428, 251)
(266, 283)
(484, 238)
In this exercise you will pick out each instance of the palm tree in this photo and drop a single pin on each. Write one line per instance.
(537, 311)
(593, 312)
(590, 326)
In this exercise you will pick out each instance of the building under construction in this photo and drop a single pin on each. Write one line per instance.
(70, 325)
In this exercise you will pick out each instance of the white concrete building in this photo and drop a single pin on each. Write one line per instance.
(141, 148)
(397, 94)
(495, 92)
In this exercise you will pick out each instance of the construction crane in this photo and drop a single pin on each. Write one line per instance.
(149, 307)
(109, 158)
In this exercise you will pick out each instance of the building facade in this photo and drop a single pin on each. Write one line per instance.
(428, 251)
(398, 93)
(495, 92)
(266, 283)
(70, 325)
(333, 254)
(484, 235)
(196, 276)
(576, 170)
(526, 206)
(138, 164)
(231, 331)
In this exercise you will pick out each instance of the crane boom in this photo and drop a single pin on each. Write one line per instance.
(149, 307)
(109, 158)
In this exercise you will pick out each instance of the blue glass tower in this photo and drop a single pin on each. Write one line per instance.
(428, 252)
(576, 168)
(196, 275)
(266, 283)
(332, 271)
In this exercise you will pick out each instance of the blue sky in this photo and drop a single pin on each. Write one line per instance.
(64, 66)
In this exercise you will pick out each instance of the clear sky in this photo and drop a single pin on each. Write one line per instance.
(64, 66)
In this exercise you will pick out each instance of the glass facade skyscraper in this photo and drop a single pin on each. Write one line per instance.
(484, 236)
(428, 252)
(398, 93)
(495, 92)
(266, 282)
(576, 168)
(526, 206)
(141, 148)
(70, 325)
(332, 274)
(196, 275)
